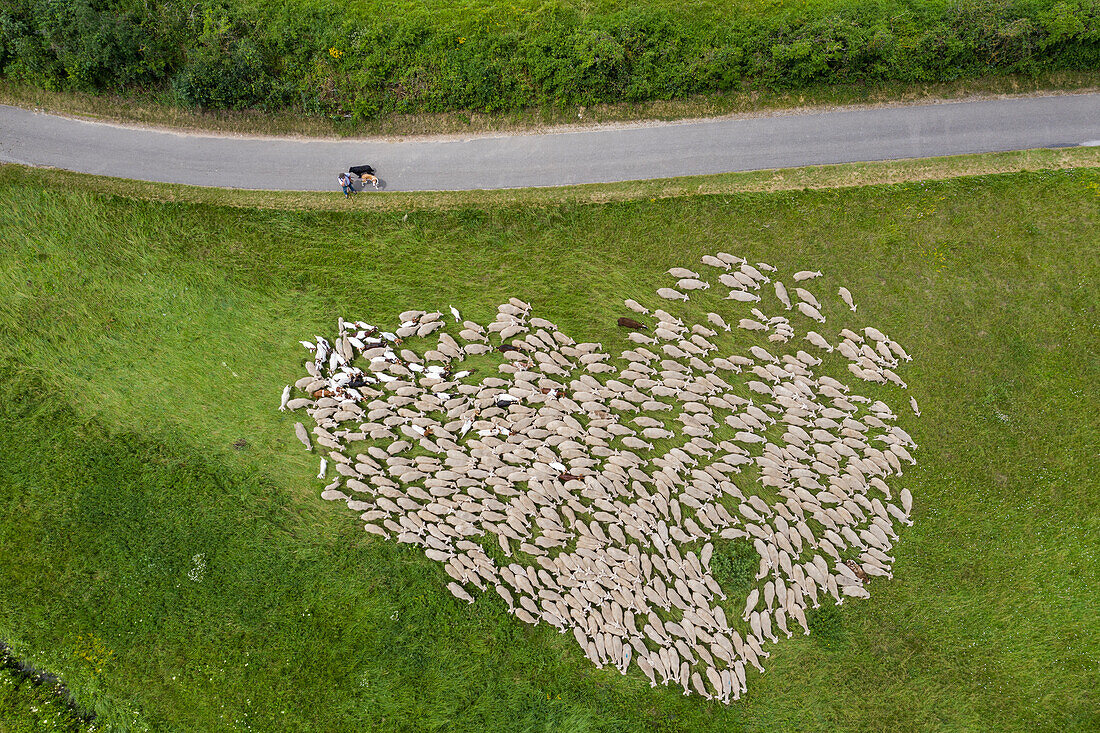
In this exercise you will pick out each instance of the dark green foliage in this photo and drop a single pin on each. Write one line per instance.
(362, 60)
(734, 565)
(89, 45)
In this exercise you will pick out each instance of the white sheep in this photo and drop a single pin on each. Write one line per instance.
(808, 310)
(750, 325)
(742, 296)
(781, 294)
(302, 435)
(846, 296)
(458, 592)
(548, 429)
(807, 297)
(670, 294)
(729, 259)
(806, 275)
(818, 340)
(718, 321)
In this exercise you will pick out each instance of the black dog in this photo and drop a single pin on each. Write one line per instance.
(359, 170)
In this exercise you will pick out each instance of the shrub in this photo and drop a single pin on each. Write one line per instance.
(321, 56)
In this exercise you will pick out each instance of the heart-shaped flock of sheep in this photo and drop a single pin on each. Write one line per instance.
(552, 464)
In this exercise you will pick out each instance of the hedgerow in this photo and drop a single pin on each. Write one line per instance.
(367, 59)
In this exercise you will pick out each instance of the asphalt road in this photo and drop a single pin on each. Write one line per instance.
(653, 150)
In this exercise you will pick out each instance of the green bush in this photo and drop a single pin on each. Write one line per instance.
(734, 565)
(87, 45)
(364, 60)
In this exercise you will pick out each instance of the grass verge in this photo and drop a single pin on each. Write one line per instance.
(141, 340)
(157, 111)
(844, 175)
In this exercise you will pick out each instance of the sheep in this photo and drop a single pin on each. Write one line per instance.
(806, 275)
(846, 296)
(906, 502)
(754, 273)
(697, 683)
(763, 354)
(818, 340)
(670, 294)
(874, 334)
(750, 325)
(375, 529)
(303, 435)
(458, 592)
(680, 272)
(745, 281)
(808, 310)
(742, 296)
(688, 283)
(532, 449)
(893, 377)
(631, 324)
(807, 297)
(636, 306)
(715, 680)
(729, 259)
(718, 321)
(781, 294)
(636, 444)
(712, 261)
(750, 603)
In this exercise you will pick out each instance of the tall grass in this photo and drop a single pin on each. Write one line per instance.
(142, 340)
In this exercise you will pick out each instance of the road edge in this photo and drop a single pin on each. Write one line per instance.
(838, 176)
(122, 122)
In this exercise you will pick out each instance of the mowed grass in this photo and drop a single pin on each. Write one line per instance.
(140, 340)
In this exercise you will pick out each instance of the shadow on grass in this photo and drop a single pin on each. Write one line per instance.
(24, 673)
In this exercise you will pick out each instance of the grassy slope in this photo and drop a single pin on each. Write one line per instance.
(117, 415)
(159, 109)
(843, 175)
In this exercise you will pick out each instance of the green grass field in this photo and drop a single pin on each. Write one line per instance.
(141, 340)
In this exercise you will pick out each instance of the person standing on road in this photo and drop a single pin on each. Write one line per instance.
(345, 184)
